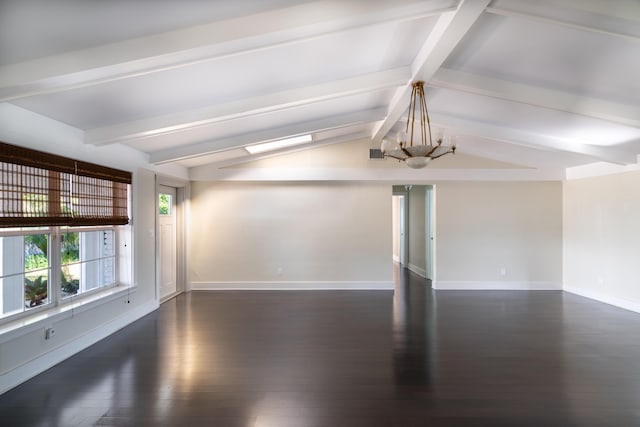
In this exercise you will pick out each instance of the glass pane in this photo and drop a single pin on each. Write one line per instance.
(164, 204)
(88, 261)
(69, 280)
(69, 263)
(108, 269)
(69, 248)
(11, 248)
(108, 249)
(36, 288)
(92, 275)
(12, 295)
(36, 252)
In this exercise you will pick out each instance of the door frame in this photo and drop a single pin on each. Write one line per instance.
(403, 191)
(400, 229)
(430, 228)
(183, 194)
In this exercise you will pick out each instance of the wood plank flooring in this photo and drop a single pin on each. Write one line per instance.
(351, 358)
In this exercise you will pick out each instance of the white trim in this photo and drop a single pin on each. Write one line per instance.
(291, 286)
(496, 285)
(378, 175)
(170, 296)
(396, 259)
(35, 366)
(604, 298)
(596, 169)
(419, 271)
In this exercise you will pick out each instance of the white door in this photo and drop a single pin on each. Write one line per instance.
(167, 241)
(430, 228)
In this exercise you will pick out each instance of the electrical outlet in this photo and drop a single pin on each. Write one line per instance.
(49, 333)
(503, 271)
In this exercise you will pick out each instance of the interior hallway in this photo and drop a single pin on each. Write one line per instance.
(351, 358)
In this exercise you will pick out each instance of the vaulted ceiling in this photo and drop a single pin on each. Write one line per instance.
(539, 84)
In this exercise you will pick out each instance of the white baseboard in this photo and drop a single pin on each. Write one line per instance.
(497, 285)
(607, 299)
(419, 271)
(40, 364)
(291, 286)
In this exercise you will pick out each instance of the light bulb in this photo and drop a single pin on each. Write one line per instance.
(417, 162)
(389, 146)
(437, 136)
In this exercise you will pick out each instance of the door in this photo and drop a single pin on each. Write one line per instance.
(167, 221)
(430, 231)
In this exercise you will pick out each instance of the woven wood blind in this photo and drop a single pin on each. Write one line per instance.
(42, 189)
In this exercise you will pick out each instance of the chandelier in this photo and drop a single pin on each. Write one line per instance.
(417, 154)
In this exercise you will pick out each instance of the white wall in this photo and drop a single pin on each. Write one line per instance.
(601, 235)
(483, 227)
(24, 351)
(290, 235)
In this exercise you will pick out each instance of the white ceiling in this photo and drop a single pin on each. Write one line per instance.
(190, 82)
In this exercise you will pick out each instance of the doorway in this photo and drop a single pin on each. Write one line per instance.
(414, 228)
(399, 229)
(167, 242)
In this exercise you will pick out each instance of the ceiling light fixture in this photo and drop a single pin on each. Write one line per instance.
(280, 143)
(417, 155)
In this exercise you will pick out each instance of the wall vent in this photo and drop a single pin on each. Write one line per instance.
(375, 154)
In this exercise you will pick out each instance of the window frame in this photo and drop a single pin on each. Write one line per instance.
(38, 309)
(54, 280)
(116, 268)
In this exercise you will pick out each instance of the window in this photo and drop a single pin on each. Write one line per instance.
(87, 261)
(24, 272)
(60, 221)
(164, 204)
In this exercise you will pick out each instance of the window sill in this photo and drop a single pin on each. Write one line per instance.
(14, 329)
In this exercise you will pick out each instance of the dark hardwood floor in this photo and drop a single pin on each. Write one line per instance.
(351, 358)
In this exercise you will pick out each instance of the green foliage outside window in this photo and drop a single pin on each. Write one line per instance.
(35, 290)
(69, 254)
(35, 251)
(70, 248)
(164, 203)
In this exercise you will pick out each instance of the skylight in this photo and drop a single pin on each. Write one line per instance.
(281, 143)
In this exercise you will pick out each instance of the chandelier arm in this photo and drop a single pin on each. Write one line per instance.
(431, 151)
(395, 157)
(406, 152)
(451, 151)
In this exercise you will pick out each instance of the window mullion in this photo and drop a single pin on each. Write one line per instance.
(54, 259)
